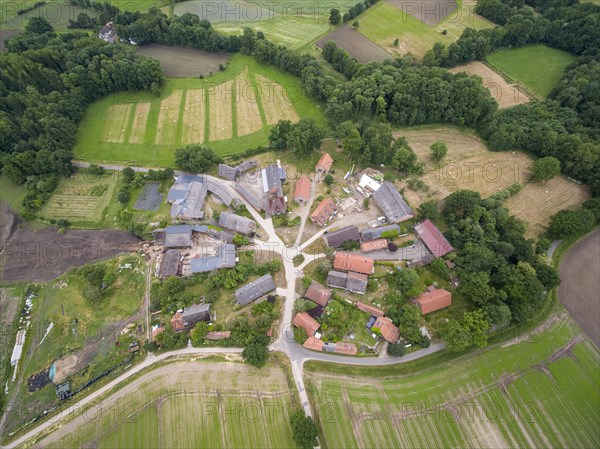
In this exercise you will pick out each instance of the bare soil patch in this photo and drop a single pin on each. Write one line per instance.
(357, 45)
(578, 292)
(42, 255)
(194, 117)
(168, 117)
(221, 111)
(538, 201)
(506, 94)
(248, 113)
(179, 62)
(140, 119)
(430, 12)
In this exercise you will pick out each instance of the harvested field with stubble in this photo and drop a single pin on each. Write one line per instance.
(506, 94)
(118, 124)
(248, 115)
(191, 403)
(276, 101)
(541, 391)
(168, 118)
(220, 104)
(538, 201)
(140, 119)
(194, 117)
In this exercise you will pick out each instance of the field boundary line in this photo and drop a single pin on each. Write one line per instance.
(179, 130)
(259, 94)
(522, 87)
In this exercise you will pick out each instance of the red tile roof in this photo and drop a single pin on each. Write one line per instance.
(313, 343)
(433, 239)
(306, 322)
(319, 294)
(217, 335)
(302, 191)
(369, 309)
(387, 329)
(373, 245)
(177, 322)
(430, 301)
(155, 332)
(353, 262)
(323, 212)
(325, 163)
(345, 348)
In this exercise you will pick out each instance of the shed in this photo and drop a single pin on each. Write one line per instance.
(255, 289)
(392, 204)
(338, 237)
(430, 301)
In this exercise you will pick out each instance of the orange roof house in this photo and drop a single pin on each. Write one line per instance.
(430, 301)
(324, 211)
(306, 322)
(345, 348)
(319, 294)
(387, 329)
(325, 163)
(217, 335)
(313, 343)
(302, 191)
(373, 245)
(353, 262)
(177, 322)
(369, 309)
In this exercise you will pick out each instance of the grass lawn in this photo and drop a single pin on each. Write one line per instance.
(11, 193)
(538, 67)
(164, 119)
(512, 394)
(383, 23)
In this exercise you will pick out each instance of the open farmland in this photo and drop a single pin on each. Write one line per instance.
(180, 62)
(80, 198)
(505, 93)
(514, 395)
(469, 165)
(386, 21)
(537, 67)
(230, 112)
(357, 45)
(191, 403)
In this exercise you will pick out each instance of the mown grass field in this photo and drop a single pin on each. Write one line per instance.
(383, 23)
(537, 67)
(470, 165)
(194, 403)
(230, 112)
(540, 392)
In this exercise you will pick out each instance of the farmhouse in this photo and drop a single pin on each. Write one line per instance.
(337, 238)
(433, 239)
(352, 282)
(170, 264)
(373, 245)
(368, 184)
(178, 236)
(377, 233)
(324, 164)
(392, 204)
(323, 213)
(369, 309)
(353, 262)
(236, 223)
(255, 289)
(190, 316)
(277, 205)
(306, 322)
(387, 329)
(434, 299)
(318, 294)
(108, 33)
(302, 191)
(225, 257)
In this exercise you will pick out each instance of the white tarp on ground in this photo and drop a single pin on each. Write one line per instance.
(18, 349)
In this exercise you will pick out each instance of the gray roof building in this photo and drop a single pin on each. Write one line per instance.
(236, 223)
(272, 178)
(219, 190)
(374, 234)
(225, 257)
(178, 236)
(248, 195)
(170, 264)
(352, 282)
(336, 279)
(392, 204)
(188, 194)
(227, 172)
(255, 289)
(337, 238)
(108, 33)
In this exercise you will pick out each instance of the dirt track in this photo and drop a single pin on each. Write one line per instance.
(578, 292)
(39, 256)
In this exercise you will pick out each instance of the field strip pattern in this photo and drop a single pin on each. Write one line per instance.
(194, 117)
(248, 113)
(116, 123)
(72, 206)
(220, 100)
(275, 101)
(140, 120)
(168, 118)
